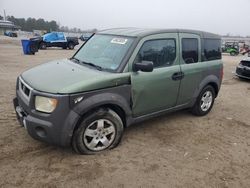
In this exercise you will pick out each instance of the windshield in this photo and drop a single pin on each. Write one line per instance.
(105, 51)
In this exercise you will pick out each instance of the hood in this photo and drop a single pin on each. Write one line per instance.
(65, 76)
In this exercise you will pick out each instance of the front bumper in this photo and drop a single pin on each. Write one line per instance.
(243, 72)
(55, 128)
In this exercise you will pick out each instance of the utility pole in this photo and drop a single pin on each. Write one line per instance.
(4, 15)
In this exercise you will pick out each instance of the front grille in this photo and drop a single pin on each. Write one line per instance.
(24, 89)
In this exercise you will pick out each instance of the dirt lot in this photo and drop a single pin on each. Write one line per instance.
(175, 150)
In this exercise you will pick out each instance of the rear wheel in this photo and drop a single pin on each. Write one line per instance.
(98, 131)
(204, 102)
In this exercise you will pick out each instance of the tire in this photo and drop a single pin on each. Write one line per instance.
(233, 53)
(200, 107)
(71, 46)
(101, 126)
(42, 45)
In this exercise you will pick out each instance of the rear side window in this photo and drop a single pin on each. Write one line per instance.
(190, 50)
(162, 52)
(211, 49)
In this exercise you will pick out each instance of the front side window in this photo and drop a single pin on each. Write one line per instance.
(211, 49)
(190, 50)
(105, 51)
(162, 52)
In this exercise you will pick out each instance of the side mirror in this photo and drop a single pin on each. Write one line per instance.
(144, 66)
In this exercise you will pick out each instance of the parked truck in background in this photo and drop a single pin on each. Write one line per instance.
(55, 39)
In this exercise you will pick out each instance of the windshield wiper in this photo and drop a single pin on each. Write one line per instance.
(87, 63)
(92, 65)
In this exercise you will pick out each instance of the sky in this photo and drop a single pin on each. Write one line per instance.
(217, 16)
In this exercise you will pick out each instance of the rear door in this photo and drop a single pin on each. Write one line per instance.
(157, 90)
(191, 66)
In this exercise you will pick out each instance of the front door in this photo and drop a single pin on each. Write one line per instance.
(157, 90)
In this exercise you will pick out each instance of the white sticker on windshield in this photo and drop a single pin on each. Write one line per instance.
(119, 40)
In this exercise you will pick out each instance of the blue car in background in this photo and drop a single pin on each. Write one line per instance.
(10, 34)
(55, 39)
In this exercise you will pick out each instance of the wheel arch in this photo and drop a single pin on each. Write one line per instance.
(215, 86)
(116, 108)
(209, 80)
(114, 101)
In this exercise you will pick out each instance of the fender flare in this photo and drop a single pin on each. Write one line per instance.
(103, 99)
(212, 80)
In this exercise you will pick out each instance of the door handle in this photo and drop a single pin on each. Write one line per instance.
(177, 76)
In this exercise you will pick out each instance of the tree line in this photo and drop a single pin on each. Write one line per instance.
(31, 24)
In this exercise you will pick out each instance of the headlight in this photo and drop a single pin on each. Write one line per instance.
(45, 104)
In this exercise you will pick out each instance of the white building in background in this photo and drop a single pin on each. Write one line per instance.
(245, 40)
(8, 26)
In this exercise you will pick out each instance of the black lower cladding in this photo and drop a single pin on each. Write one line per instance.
(243, 71)
(54, 128)
(21, 113)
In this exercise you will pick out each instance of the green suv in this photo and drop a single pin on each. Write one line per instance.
(117, 78)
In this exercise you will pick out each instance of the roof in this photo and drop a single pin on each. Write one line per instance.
(8, 24)
(140, 32)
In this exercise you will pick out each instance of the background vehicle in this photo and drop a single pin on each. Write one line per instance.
(231, 47)
(55, 39)
(119, 77)
(86, 36)
(244, 49)
(243, 69)
(10, 34)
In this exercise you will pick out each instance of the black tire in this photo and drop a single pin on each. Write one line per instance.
(42, 46)
(233, 53)
(71, 46)
(197, 108)
(80, 141)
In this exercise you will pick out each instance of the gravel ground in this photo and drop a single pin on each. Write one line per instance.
(175, 150)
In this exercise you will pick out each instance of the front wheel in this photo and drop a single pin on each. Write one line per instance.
(98, 131)
(204, 102)
(42, 46)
